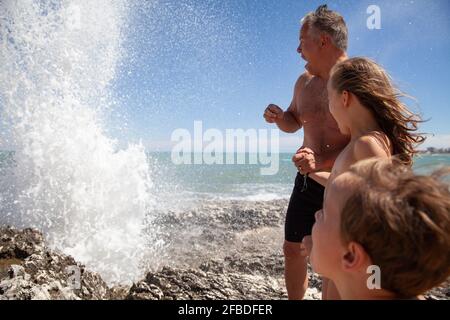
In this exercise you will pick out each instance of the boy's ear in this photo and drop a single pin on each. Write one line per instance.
(354, 258)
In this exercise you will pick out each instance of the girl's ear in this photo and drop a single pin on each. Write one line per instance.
(346, 98)
(354, 258)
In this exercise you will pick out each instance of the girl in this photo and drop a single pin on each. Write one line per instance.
(366, 107)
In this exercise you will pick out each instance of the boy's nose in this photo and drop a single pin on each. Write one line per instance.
(316, 215)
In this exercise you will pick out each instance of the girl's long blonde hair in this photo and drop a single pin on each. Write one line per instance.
(374, 89)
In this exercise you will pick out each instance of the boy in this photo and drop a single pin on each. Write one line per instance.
(383, 233)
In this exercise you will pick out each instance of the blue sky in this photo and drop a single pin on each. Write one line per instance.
(222, 62)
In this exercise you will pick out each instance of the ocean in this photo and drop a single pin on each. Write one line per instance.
(244, 182)
(232, 181)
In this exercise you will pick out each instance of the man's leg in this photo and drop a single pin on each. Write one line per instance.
(303, 204)
(295, 270)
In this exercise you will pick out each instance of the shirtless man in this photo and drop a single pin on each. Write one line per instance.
(323, 43)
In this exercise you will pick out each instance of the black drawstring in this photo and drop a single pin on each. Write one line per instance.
(305, 185)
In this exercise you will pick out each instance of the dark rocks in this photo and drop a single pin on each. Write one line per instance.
(439, 293)
(19, 245)
(28, 270)
(220, 250)
(180, 284)
(226, 279)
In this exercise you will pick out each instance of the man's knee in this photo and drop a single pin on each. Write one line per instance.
(292, 250)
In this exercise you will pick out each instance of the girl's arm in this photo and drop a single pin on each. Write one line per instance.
(320, 177)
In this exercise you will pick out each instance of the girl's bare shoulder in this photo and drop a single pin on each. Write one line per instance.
(373, 144)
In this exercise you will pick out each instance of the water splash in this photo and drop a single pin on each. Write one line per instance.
(69, 179)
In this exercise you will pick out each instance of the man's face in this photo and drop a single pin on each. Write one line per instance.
(328, 249)
(309, 49)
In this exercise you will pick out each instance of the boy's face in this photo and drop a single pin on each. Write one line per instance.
(328, 249)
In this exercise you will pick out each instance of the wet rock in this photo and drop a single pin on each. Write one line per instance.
(29, 270)
(20, 245)
(16, 271)
(220, 250)
(199, 285)
(214, 279)
(439, 293)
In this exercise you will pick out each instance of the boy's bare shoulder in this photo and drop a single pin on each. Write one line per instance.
(375, 144)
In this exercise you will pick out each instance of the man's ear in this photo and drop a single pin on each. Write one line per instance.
(354, 258)
(324, 40)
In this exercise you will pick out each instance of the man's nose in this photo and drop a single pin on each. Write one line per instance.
(299, 49)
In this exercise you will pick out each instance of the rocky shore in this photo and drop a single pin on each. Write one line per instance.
(30, 270)
(229, 250)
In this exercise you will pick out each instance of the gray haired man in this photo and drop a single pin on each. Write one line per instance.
(323, 43)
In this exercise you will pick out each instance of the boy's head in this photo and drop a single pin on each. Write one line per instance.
(381, 214)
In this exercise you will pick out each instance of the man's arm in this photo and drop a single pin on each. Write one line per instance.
(287, 120)
(289, 123)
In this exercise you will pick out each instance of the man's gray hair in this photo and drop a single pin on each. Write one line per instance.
(330, 22)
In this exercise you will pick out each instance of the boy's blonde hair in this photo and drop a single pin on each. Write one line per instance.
(403, 222)
(374, 89)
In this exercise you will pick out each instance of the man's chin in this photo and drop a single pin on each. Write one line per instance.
(309, 69)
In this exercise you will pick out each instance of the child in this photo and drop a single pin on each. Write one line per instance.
(383, 233)
(367, 108)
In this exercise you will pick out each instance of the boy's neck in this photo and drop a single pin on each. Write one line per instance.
(352, 289)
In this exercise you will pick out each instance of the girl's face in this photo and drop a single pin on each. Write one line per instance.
(337, 105)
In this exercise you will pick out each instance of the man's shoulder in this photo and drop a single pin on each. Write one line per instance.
(305, 77)
(303, 80)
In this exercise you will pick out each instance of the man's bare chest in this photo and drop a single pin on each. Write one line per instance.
(313, 105)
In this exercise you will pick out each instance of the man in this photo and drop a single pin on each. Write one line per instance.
(323, 43)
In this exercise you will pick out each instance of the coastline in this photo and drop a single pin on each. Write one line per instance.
(219, 250)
